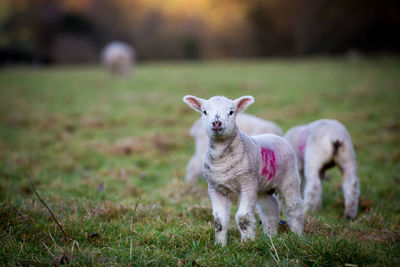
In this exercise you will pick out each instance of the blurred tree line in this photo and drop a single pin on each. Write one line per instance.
(74, 31)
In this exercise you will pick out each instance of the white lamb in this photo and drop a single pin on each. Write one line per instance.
(249, 124)
(253, 167)
(118, 57)
(319, 146)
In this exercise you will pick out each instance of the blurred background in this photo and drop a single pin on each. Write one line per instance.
(75, 31)
(94, 144)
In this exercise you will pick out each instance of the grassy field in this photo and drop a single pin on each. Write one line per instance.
(93, 145)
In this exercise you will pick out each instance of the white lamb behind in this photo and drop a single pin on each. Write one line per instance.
(254, 167)
(249, 124)
(319, 146)
(118, 57)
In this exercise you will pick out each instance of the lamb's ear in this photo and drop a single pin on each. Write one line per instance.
(193, 102)
(243, 102)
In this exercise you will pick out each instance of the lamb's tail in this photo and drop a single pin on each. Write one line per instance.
(336, 145)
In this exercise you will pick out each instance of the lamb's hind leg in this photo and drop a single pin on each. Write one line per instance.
(314, 159)
(351, 183)
(221, 205)
(292, 201)
(313, 187)
(268, 209)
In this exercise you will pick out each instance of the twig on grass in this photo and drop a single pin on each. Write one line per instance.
(73, 245)
(64, 257)
(272, 255)
(132, 225)
(276, 253)
(55, 243)
(48, 249)
(51, 213)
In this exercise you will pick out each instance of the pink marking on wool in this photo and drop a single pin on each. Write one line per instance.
(272, 164)
(264, 156)
(302, 142)
(269, 168)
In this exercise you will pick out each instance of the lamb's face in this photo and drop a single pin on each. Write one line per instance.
(219, 113)
(219, 116)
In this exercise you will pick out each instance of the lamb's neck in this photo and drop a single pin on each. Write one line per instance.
(219, 150)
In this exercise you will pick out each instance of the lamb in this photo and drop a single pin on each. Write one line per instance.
(118, 57)
(319, 146)
(253, 167)
(250, 125)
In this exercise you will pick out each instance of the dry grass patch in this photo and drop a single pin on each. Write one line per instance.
(177, 189)
(314, 226)
(142, 144)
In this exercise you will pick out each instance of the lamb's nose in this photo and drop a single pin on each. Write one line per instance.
(217, 123)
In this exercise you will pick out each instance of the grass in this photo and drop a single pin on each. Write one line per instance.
(94, 144)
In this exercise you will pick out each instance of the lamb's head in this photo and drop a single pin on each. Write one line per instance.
(219, 113)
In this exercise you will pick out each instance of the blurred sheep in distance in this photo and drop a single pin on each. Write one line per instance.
(118, 57)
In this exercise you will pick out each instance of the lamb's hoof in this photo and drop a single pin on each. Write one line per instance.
(219, 244)
(349, 217)
(248, 239)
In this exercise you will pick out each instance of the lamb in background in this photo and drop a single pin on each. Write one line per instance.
(249, 124)
(319, 146)
(118, 57)
(254, 166)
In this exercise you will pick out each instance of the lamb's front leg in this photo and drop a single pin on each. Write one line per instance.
(245, 215)
(221, 206)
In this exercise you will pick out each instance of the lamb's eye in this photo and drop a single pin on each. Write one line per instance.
(230, 113)
(205, 112)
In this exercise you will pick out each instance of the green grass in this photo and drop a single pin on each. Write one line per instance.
(94, 144)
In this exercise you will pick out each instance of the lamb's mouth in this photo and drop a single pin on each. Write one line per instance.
(218, 130)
